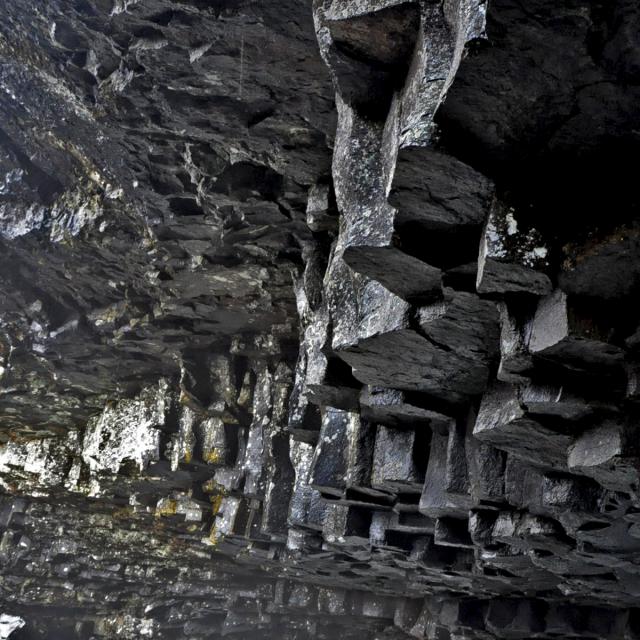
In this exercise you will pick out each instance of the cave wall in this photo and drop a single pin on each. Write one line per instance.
(319, 320)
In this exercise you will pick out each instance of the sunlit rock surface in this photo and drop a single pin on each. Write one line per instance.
(318, 319)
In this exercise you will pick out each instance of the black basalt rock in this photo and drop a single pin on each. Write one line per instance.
(319, 320)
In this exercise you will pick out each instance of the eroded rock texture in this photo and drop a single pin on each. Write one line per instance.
(319, 319)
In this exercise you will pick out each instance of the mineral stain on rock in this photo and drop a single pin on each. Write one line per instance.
(318, 319)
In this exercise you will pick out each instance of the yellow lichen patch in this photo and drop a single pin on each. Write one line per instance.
(166, 507)
(215, 536)
(108, 315)
(188, 456)
(212, 487)
(216, 503)
(213, 456)
(123, 513)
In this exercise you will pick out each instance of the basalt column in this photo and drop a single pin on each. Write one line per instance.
(452, 395)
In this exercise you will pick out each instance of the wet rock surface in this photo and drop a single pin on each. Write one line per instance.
(318, 319)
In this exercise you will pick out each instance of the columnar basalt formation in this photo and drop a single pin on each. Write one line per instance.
(319, 319)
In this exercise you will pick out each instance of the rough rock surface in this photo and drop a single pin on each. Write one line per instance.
(319, 319)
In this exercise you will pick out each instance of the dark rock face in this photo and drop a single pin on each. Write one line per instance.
(319, 321)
